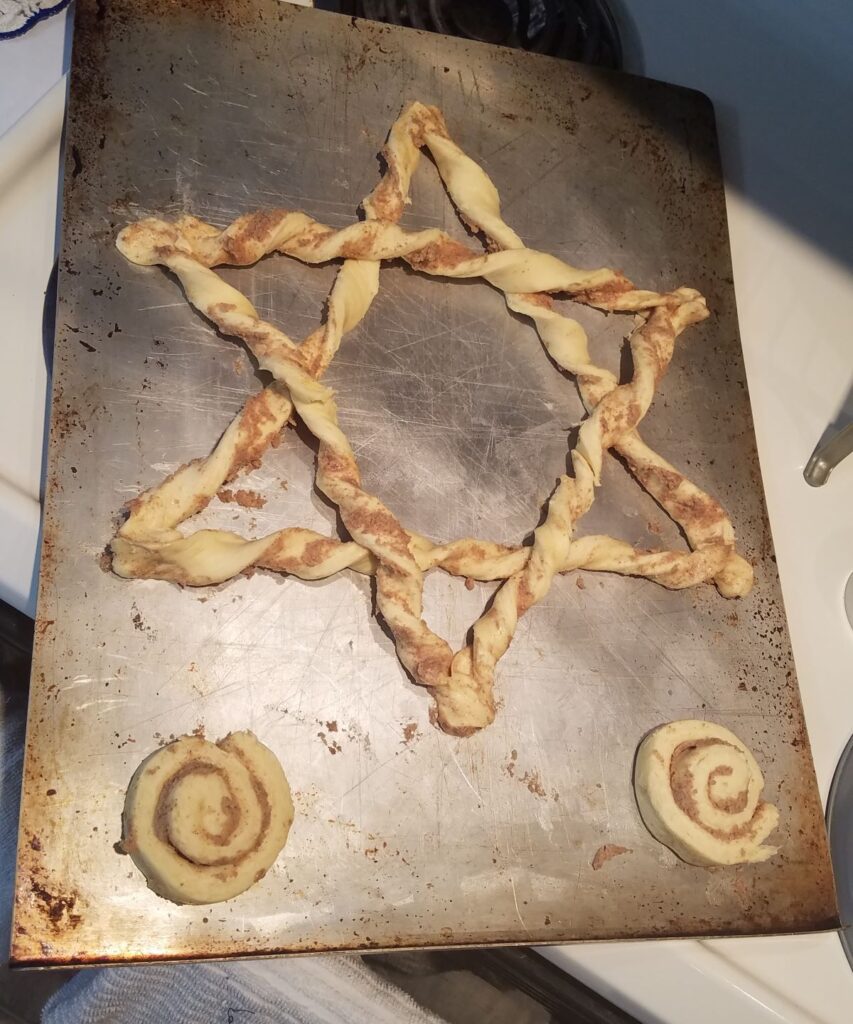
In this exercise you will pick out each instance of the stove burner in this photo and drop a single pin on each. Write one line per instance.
(487, 21)
(582, 30)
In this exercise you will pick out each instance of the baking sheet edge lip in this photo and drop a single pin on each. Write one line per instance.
(21, 963)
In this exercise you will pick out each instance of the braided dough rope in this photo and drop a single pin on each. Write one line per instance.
(698, 789)
(204, 821)
(462, 684)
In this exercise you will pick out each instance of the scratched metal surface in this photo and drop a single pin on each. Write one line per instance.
(403, 836)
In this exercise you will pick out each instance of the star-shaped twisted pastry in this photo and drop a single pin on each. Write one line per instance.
(149, 544)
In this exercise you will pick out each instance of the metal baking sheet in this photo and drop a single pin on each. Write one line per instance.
(403, 836)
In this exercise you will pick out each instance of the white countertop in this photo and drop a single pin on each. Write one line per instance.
(30, 66)
(781, 80)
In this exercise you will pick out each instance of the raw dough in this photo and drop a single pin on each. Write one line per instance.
(698, 789)
(205, 821)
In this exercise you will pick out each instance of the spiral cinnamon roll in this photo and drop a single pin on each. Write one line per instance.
(698, 789)
(204, 821)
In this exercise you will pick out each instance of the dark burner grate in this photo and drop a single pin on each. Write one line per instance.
(582, 30)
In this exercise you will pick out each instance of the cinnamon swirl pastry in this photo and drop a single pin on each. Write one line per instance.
(699, 793)
(205, 821)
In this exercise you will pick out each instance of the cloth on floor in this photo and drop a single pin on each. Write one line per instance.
(301, 990)
(12, 725)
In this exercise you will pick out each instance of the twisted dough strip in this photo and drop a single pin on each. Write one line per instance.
(208, 557)
(698, 789)
(464, 696)
(204, 821)
(431, 251)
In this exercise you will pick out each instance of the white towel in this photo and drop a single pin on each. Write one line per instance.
(12, 725)
(301, 990)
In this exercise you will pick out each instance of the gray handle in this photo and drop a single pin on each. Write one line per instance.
(827, 456)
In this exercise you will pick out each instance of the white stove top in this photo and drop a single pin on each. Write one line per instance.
(779, 74)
